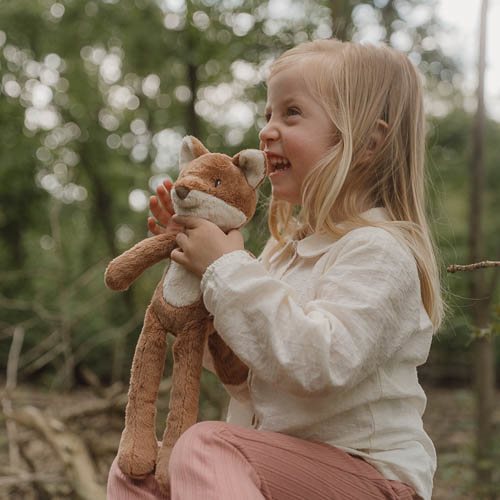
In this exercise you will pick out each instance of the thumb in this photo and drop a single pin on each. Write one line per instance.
(177, 255)
(186, 221)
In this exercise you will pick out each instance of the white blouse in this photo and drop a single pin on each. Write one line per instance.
(332, 332)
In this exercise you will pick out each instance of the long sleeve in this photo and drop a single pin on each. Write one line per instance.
(363, 307)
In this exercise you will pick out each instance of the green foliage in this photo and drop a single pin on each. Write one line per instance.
(96, 98)
(449, 157)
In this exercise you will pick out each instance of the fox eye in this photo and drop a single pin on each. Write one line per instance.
(217, 182)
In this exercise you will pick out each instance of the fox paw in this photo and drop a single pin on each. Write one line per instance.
(162, 473)
(137, 457)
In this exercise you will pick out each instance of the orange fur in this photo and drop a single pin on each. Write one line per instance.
(225, 180)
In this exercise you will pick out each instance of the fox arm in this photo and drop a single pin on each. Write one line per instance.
(228, 367)
(127, 267)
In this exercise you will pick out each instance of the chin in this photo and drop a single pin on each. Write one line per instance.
(289, 199)
(281, 193)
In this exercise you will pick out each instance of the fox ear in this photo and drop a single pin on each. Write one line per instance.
(191, 148)
(253, 164)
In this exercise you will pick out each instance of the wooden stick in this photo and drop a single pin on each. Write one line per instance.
(30, 477)
(10, 385)
(70, 449)
(471, 267)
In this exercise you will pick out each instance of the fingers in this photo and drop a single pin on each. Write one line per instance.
(177, 255)
(161, 208)
(181, 239)
(188, 222)
(163, 192)
(158, 210)
(154, 227)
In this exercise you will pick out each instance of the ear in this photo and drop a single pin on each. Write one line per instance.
(191, 148)
(378, 135)
(253, 164)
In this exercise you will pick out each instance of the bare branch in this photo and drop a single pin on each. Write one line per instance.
(29, 477)
(41, 348)
(10, 385)
(86, 277)
(471, 267)
(68, 446)
(109, 335)
(115, 402)
(45, 359)
(13, 359)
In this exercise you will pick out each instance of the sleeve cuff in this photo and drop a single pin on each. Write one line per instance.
(227, 260)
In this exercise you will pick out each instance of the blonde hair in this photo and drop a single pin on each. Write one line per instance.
(364, 88)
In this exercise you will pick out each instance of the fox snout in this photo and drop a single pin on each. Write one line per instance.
(182, 192)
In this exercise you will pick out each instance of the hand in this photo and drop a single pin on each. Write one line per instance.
(202, 243)
(162, 209)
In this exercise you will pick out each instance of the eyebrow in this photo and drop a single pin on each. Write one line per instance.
(286, 101)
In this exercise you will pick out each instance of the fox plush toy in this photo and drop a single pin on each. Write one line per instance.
(223, 190)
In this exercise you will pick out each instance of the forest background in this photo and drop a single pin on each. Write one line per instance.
(95, 98)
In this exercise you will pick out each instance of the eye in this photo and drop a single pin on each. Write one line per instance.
(217, 182)
(292, 111)
(267, 116)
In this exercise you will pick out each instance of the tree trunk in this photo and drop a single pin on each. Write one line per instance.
(341, 11)
(102, 208)
(484, 366)
(192, 119)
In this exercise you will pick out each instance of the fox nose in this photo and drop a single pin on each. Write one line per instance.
(182, 192)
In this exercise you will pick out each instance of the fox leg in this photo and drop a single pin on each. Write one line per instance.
(228, 367)
(188, 350)
(138, 445)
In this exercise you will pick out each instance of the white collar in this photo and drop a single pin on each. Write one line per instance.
(318, 243)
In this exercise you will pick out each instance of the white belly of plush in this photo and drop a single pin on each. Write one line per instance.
(180, 287)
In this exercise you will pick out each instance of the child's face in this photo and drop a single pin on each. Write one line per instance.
(298, 134)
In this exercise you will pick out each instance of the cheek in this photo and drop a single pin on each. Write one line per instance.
(321, 149)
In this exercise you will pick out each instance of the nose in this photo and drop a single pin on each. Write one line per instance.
(181, 192)
(269, 133)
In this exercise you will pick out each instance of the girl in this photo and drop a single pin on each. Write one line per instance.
(339, 310)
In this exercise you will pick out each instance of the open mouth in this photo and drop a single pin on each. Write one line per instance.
(277, 164)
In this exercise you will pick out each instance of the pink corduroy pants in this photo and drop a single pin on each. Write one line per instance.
(220, 461)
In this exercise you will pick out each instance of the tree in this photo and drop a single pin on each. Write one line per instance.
(481, 293)
(97, 98)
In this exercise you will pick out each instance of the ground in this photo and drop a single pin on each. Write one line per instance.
(448, 420)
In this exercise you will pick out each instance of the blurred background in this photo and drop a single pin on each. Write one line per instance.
(95, 98)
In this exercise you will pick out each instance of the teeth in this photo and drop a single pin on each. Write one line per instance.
(279, 163)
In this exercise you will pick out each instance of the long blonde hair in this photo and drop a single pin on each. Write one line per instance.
(362, 88)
